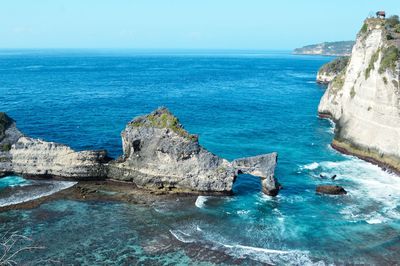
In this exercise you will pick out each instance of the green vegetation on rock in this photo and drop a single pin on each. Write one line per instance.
(364, 28)
(392, 21)
(371, 65)
(336, 66)
(163, 118)
(352, 92)
(5, 121)
(5, 147)
(338, 82)
(390, 57)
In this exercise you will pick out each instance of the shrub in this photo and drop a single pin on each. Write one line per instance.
(336, 66)
(338, 82)
(364, 28)
(397, 28)
(392, 21)
(390, 56)
(5, 147)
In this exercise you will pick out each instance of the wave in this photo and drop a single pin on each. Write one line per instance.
(200, 201)
(260, 254)
(182, 236)
(311, 166)
(36, 190)
(376, 193)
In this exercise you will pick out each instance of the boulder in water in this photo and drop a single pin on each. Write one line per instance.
(331, 190)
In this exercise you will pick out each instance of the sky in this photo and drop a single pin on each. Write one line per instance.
(183, 24)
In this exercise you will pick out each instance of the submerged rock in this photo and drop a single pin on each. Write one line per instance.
(331, 190)
(158, 153)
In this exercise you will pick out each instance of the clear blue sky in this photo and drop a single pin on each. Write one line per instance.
(169, 24)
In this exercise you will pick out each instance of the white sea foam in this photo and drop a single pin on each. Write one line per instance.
(182, 236)
(376, 192)
(311, 166)
(48, 188)
(272, 256)
(200, 201)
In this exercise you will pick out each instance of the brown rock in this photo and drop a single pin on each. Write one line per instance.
(331, 190)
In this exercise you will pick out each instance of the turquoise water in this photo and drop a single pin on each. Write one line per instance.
(241, 104)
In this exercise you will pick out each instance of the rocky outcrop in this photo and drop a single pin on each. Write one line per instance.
(158, 153)
(262, 166)
(9, 134)
(37, 158)
(331, 190)
(364, 100)
(327, 48)
(330, 70)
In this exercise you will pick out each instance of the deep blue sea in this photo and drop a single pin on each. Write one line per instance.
(241, 104)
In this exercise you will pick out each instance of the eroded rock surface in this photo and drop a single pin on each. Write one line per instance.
(158, 153)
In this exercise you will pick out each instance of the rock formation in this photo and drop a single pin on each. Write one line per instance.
(158, 153)
(37, 158)
(330, 70)
(364, 100)
(331, 190)
(262, 166)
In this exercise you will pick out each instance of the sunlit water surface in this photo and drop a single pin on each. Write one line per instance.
(241, 104)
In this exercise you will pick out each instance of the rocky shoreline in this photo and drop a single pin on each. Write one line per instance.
(107, 190)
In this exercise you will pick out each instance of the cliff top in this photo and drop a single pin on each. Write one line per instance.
(391, 25)
(5, 121)
(162, 118)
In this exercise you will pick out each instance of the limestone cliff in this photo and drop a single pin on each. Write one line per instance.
(364, 100)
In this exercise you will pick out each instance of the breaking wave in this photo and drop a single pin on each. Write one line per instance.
(200, 201)
(16, 194)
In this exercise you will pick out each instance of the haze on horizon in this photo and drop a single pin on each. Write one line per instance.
(180, 24)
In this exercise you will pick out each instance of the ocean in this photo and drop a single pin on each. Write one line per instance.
(240, 103)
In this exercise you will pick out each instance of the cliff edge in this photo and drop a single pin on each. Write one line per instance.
(364, 99)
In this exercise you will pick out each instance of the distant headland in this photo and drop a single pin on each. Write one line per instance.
(342, 48)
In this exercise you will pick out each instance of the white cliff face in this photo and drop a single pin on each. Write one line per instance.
(35, 157)
(365, 101)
